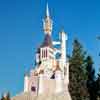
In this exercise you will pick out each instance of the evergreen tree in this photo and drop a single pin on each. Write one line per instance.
(77, 72)
(2, 97)
(98, 85)
(91, 83)
(8, 96)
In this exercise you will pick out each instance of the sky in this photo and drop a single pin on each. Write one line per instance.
(21, 32)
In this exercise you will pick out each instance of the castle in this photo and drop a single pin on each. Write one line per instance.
(51, 73)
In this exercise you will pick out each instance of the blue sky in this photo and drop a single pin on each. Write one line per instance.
(21, 32)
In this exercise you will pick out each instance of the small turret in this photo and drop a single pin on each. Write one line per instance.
(63, 46)
(26, 82)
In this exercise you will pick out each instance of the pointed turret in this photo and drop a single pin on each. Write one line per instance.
(47, 22)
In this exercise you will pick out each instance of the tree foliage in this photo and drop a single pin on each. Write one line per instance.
(77, 72)
(6, 97)
(91, 83)
(83, 84)
(98, 85)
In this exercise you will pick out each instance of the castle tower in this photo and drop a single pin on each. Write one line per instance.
(46, 54)
(63, 51)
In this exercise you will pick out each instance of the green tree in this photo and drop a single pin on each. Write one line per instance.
(2, 97)
(77, 72)
(8, 96)
(91, 83)
(98, 85)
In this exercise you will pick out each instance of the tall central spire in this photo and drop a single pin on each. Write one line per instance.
(47, 23)
(47, 11)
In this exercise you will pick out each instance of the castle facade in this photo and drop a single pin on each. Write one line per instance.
(51, 73)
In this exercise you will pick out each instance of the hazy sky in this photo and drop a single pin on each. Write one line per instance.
(21, 32)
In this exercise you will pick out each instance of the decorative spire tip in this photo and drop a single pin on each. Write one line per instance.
(47, 10)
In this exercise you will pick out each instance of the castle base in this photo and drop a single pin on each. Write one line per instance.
(31, 96)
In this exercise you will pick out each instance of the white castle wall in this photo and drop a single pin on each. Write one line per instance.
(49, 86)
(59, 82)
(41, 83)
(66, 78)
(46, 85)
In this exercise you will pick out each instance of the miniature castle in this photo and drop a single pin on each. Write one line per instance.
(51, 73)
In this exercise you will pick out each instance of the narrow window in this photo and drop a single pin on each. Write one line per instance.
(42, 53)
(46, 53)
